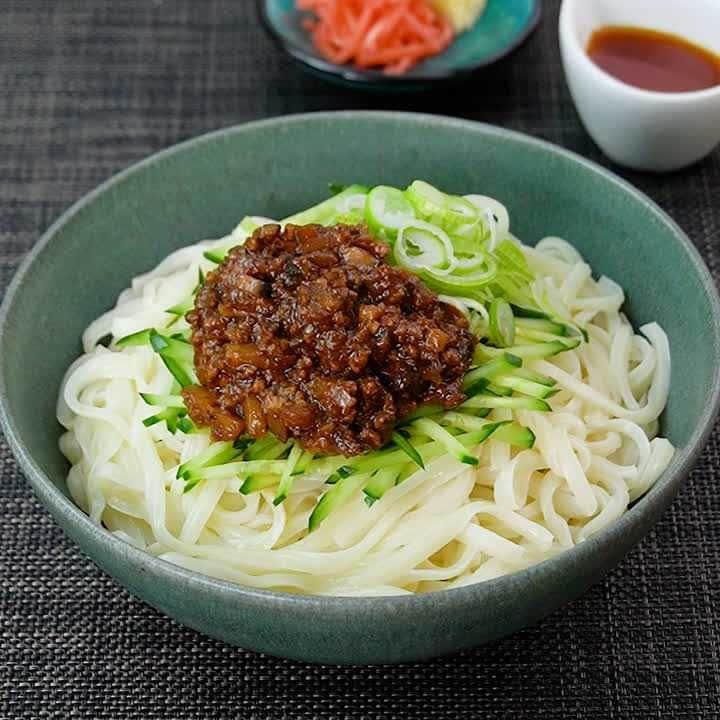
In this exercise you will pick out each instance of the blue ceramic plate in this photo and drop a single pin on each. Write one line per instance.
(503, 26)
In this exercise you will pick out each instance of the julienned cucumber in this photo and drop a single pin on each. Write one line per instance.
(286, 480)
(440, 434)
(163, 401)
(478, 379)
(526, 387)
(513, 403)
(515, 435)
(177, 355)
(334, 498)
(380, 483)
(536, 350)
(217, 454)
(142, 337)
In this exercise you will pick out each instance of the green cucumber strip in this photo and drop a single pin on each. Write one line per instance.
(441, 435)
(216, 256)
(476, 437)
(191, 485)
(380, 483)
(168, 415)
(526, 387)
(502, 323)
(177, 355)
(534, 377)
(187, 426)
(200, 282)
(266, 448)
(525, 312)
(466, 422)
(342, 472)
(286, 479)
(404, 444)
(303, 463)
(255, 483)
(217, 454)
(142, 337)
(165, 401)
(423, 411)
(514, 403)
(334, 498)
(500, 365)
(181, 308)
(515, 435)
(242, 467)
(495, 389)
(540, 325)
(538, 350)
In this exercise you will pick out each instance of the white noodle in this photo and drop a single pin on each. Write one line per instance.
(447, 526)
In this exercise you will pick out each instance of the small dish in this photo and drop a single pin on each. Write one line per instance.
(642, 129)
(504, 26)
(200, 189)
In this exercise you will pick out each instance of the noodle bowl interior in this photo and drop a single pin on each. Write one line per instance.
(552, 434)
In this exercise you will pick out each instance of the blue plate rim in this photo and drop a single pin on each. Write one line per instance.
(370, 78)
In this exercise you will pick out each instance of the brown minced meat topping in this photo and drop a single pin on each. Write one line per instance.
(308, 333)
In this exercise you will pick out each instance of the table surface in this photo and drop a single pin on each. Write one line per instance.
(88, 87)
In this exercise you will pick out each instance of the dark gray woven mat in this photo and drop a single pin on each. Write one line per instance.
(89, 86)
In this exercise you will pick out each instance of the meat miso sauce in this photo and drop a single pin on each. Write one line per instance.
(309, 334)
(654, 60)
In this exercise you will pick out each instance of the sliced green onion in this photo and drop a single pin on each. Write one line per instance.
(502, 323)
(387, 210)
(448, 211)
(350, 199)
(424, 247)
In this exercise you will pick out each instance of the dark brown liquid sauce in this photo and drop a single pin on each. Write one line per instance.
(654, 60)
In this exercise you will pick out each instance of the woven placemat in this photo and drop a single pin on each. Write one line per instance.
(89, 86)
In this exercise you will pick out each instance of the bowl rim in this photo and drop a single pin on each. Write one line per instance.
(651, 505)
(376, 78)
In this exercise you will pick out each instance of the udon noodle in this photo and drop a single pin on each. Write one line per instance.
(446, 526)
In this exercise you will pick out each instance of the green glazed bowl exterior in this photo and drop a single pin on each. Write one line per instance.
(200, 189)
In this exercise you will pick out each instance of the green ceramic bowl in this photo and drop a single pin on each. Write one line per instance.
(503, 27)
(199, 189)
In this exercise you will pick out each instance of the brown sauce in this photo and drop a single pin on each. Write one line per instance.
(309, 334)
(654, 60)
